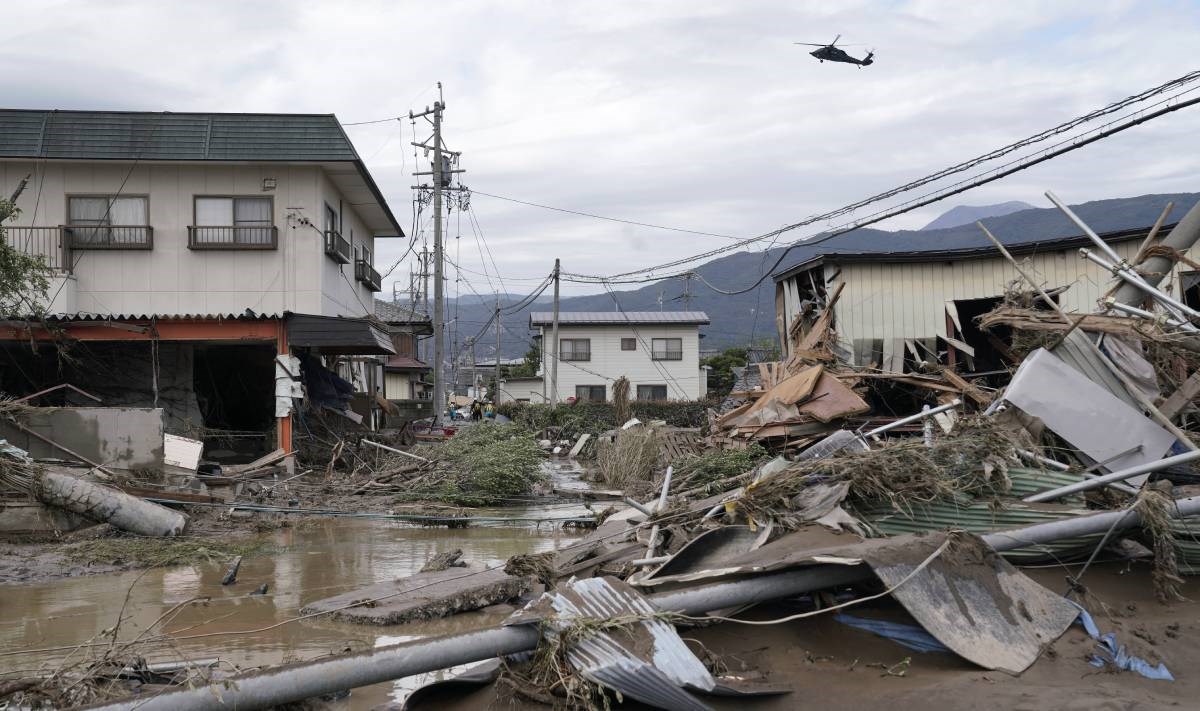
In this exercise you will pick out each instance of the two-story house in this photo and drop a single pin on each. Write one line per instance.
(188, 251)
(405, 374)
(658, 351)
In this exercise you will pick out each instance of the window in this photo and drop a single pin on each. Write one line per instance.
(108, 222)
(233, 222)
(575, 349)
(629, 344)
(666, 349)
(652, 392)
(593, 393)
(331, 220)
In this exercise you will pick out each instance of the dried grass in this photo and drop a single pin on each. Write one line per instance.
(1154, 505)
(973, 462)
(630, 459)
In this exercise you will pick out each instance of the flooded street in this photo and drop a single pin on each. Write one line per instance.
(43, 622)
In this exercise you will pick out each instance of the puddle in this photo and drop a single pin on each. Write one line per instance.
(318, 561)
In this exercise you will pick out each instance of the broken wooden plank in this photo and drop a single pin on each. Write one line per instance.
(832, 400)
(257, 463)
(968, 388)
(1182, 397)
(422, 596)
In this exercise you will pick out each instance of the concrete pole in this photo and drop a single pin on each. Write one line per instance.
(295, 682)
(1154, 269)
(554, 341)
(439, 377)
(496, 394)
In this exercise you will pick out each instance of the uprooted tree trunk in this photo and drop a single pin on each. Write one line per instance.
(107, 505)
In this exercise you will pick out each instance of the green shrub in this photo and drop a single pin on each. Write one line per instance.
(597, 417)
(489, 463)
(717, 464)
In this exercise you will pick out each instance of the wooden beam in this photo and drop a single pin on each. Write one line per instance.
(1182, 397)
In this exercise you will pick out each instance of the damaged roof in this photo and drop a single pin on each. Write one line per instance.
(169, 136)
(618, 318)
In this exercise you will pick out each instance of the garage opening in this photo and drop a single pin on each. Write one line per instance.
(235, 392)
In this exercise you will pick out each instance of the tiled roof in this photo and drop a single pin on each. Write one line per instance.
(617, 318)
(405, 363)
(402, 312)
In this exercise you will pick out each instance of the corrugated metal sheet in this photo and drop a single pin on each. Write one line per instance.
(89, 317)
(646, 661)
(982, 517)
(546, 318)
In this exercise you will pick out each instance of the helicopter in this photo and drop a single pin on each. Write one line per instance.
(832, 53)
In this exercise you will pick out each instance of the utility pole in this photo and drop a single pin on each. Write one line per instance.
(687, 291)
(554, 341)
(440, 182)
(496, 394)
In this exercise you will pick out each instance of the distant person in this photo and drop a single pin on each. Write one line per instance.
(489, 411)
(476, 411)
(453, 412)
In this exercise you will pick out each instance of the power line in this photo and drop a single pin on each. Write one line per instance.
(1027, 162)
(604, 217)
(1053, 151)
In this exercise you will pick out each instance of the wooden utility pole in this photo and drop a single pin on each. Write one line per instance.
(554, 341)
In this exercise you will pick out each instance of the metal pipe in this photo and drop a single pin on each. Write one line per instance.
(1149, 315)
(295, 682)
(393, 449)
(914, 418)
(642, 509)
(1121, 475)
(1132, 277)
(1043, 460)
(1104, 246)
(1182, 237)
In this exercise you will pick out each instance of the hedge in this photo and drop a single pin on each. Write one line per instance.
(597, 417)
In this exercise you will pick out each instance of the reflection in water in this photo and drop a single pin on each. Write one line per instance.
(319, 560)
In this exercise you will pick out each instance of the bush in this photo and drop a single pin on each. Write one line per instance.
(490, 462)
(717, 465)
(597, 417)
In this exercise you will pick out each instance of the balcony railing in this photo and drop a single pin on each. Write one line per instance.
(366, 274)
(44, 242)
(109, 236)
(667, 354)
(337, 246)
(233, 237)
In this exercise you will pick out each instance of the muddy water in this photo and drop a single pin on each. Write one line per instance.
(318, 560)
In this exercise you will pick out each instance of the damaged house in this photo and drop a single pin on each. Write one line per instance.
(917, 302)
(216, 266)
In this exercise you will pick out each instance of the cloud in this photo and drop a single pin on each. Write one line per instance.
(701, 115)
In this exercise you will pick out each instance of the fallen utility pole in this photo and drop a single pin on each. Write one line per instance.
(295, 682)
(397, 451)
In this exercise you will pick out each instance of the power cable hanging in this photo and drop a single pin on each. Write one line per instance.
(1134, 118)
(1018, 165)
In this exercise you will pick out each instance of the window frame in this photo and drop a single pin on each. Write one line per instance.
(274, 229)
(631, 342)
(591, 391)
(666, 354)
(69, 226)
(574, 358)
(665, 392)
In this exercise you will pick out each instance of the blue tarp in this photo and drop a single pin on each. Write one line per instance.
(1109, 652)
(912, 636)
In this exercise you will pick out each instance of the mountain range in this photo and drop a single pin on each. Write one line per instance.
(968, 214)
(739, 319)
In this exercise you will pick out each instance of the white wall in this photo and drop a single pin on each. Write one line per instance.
(608, 362)
(531, 389)
(172, 279)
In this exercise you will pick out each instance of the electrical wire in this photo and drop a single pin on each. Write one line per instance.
(605, 217)
(1021, 163)
(1010, 168)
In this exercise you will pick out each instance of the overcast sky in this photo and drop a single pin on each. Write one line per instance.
(700, 115)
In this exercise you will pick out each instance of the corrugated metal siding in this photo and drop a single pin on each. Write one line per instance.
(906, 300)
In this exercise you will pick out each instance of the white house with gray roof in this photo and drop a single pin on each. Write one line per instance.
(157, 213)
(659, 351)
